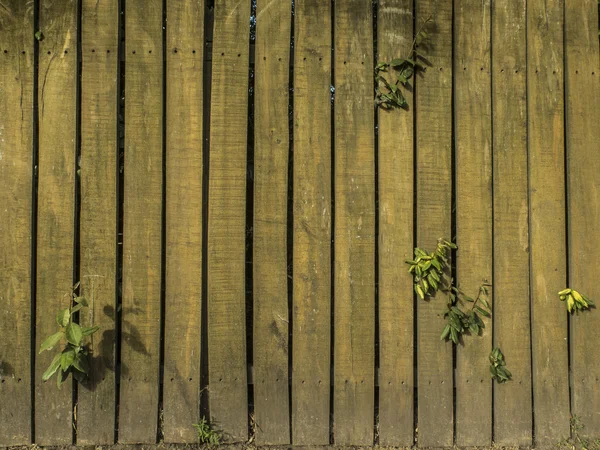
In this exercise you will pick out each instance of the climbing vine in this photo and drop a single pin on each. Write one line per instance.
(74, 356)
(393, 76)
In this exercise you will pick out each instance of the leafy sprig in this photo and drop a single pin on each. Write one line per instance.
(469, 321)
(74, 357)
(498, 366)
(388, 93)
(431, 272)
(206, 434)
(575, 301)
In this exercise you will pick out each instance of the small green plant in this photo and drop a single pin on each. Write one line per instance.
(498, 366)
(576, 441)
(74, 357)
(388, 93)
(39, 35)
(431, 272)
(575, 301)
(206, 434)
(460, 321)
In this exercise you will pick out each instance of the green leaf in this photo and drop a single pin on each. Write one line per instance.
(454, 335)
(485, 303)
(482, 311)
(59, 377)
(74, 334)
(81, 300)
(445, 333)
(81, 363)
(76, 308)
(52, 368)
(67, 358)
(51, 341)
(79, 376)
(86, 331)
(63, 317)
(396, 62)
(39, 36)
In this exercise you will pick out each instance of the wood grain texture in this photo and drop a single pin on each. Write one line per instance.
(583, 161)
(183, 284)
(227, 220)
(512, 400)
(57, 93)
(16, 150)
(98, 220)
(142, 223)
(312, 224)
(354, 279)
(271, 148)
(434, 203)
(545, 87)
(396, 205)
(473, 131)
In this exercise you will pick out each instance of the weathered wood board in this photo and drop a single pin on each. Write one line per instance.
(16, 171)
(311, 314)
(271, 149)
(354, 235)
(142, 223)
(184, 178)
(396, 236)
(98, 219)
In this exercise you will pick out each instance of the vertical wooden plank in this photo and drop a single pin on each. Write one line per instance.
(396, 301)
(354, 283)
(312, 223)
(227, 219)
(98, 221)
(473, 128)
(271, 148)
(583, 144)
(140, 337)
(512, 400)
(181, 394)
(545, 87)
(16, 132)
(57, 86)
(434, 202)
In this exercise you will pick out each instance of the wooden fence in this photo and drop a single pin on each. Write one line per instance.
(238, 213)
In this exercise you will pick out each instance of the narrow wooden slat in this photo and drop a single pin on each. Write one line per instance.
(434, 202)
(312, 224)
(181, 394)
(98, 222)
(354, 282)
(396, 302)
(227, 220)
(140, 333)
(16, 132)
(57, 86)
(545, 86)
(271, 148)
(583, 143)
(473, 128)
(512, 400)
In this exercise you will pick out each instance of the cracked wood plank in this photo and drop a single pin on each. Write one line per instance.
(56, 208)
